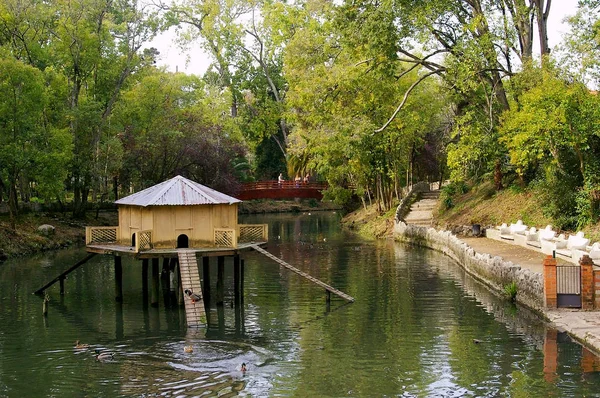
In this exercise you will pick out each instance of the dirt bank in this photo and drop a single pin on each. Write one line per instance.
(26, 239)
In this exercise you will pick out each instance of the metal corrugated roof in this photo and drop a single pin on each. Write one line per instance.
(177, 191)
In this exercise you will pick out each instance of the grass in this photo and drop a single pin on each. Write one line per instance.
(369, 223)
(482, 205)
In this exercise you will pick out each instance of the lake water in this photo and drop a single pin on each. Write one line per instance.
(419, 328)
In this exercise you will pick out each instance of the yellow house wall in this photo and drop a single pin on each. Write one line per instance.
(168, 222)
(133, 219)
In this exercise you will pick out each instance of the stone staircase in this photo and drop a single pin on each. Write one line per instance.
(421, 212)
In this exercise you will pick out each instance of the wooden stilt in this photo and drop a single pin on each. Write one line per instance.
(220, 281)
(165, 274)
(45, 306)
(180, 296)
(236, 279)
(221, 317)
(62, 285)
(145, 281)
(118, 279)
(155, 277)
(206, 279)
(242, 281)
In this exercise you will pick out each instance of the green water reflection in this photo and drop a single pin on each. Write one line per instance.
(419, 327)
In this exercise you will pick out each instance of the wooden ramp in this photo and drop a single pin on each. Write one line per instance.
(190, 279)
(304, 274)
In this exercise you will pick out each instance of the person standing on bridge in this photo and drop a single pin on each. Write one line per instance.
(280, 179)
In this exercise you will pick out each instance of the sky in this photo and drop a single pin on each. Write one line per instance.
(196, 62)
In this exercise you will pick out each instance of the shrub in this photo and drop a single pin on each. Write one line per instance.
(511, 291)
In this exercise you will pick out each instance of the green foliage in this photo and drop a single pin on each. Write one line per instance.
(450, 191)
(511, 290)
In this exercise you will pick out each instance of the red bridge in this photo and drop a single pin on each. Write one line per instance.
(281, 190)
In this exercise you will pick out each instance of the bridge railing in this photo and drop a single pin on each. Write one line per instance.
(274, 184)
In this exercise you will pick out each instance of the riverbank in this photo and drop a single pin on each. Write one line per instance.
(63, 232)
(497, 264)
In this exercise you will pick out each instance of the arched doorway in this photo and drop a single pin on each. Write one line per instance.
(183, 242)
(133, 240)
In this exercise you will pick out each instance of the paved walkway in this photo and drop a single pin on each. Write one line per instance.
(582, 325)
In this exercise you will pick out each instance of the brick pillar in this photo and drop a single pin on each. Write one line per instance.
(589, 361)
(550, 355)
(596, 289)
(550, 282)
(587, 283)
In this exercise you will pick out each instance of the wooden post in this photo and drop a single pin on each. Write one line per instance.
(62, 285)
(118, 279)
(155, 277)
(179, 287)
(206, 279)
(166, 274)
(45, 305)
(236, 279)
(242, 281)
(145, 280)
(220, 282)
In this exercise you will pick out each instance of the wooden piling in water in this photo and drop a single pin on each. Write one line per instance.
(62, 285)
(220, 280)
(155, 283)
(236, 279)
(145, 280)
(166, 273)
(118, 279)
(45, 306)
(242, 281)
(206, 279)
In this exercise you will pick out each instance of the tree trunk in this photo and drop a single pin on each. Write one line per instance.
(542, 11)
(13, 205)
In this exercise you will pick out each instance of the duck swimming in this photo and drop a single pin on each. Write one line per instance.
(79, 346)
(188, 349)
(104, 356)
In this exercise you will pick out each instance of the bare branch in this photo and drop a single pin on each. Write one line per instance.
(415, 84)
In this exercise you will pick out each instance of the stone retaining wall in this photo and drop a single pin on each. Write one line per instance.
(404, 206)
(493, 271)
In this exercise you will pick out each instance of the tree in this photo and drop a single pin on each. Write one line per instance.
(341, 91)
(28, 146)
(172, 124)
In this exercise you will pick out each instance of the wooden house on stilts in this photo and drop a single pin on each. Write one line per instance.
(176, 221)
(179, 221)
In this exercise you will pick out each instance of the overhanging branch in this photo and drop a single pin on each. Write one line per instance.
(415, 84)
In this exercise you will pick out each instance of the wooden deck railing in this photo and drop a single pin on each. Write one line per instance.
(225, 237)
(101, 235)
(143, 240)
(253, 233)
